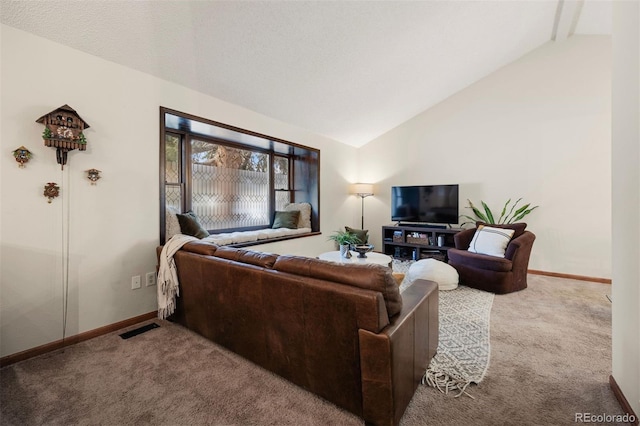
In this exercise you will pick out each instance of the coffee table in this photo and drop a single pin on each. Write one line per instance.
(377, 258)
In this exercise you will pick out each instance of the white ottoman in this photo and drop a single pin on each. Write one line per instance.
(433, 270)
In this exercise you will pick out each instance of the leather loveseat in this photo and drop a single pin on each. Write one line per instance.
(343, 332)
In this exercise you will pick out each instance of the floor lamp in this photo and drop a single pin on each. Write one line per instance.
(363, 190)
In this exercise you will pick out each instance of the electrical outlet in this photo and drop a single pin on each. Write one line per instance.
(135, 282)
(151, 279)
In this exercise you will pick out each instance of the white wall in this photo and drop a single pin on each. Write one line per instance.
(538, 128)
(113, 226)
(626, 201)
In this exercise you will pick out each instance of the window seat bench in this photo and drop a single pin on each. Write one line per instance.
(191, 226)
(257, 236)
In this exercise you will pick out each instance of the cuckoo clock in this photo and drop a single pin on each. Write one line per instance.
(93, 175)
(22, 155)
(64, 132)
(51, 191)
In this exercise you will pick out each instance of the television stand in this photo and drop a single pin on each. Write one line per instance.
(422, 225)
(417, 241)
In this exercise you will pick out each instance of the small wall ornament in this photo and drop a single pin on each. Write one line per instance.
(22, 156)
(51, 191)
(64, 132)
(93, 175)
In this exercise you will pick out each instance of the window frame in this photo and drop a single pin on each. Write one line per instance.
(302, 188)
(181, 180)
(188, 166)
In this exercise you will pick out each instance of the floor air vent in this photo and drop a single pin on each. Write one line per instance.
(139, 330)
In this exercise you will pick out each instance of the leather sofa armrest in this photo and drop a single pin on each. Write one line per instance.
(463, 238)
(394, 361)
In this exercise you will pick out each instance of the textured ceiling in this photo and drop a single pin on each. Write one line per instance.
(350, 70)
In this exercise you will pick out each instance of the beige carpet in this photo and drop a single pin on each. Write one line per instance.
(550, 358)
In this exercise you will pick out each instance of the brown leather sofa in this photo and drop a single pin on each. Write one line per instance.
(343, 332)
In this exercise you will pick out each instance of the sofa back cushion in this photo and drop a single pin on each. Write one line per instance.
(200, 247)
(264, 260)
(369, 276)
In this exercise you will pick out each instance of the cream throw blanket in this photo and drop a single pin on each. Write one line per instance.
(168, 275)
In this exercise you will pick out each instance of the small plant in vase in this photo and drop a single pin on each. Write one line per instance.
(344, 240)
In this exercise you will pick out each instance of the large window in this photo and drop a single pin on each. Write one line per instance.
(232, 179)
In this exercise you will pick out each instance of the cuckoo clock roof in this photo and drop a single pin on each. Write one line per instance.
(65, 108)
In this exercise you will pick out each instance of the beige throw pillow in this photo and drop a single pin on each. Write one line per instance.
(304, 220)
(172, 226)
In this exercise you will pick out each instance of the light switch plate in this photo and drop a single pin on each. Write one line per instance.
(135, 282)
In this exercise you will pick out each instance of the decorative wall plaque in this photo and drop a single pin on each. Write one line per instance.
(64, 132)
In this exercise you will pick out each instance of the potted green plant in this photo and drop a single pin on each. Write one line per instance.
(344, 240)
(505, 217)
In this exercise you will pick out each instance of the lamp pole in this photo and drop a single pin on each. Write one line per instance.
(362, 197)
(363, 190)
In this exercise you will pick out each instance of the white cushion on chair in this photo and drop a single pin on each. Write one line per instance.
(490, 241)
(433, 270)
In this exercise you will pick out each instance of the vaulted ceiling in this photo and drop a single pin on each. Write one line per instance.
(350, 70)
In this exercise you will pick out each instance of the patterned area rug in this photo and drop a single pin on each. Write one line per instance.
(463, 349)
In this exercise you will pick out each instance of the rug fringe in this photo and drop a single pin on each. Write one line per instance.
(445, 382)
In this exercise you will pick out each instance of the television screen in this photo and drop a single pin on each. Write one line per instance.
(428, 204)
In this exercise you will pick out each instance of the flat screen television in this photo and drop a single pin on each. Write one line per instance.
(425, 204)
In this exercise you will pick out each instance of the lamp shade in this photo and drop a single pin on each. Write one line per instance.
(362, 189)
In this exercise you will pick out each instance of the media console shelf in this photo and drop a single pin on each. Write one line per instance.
(417, 242)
